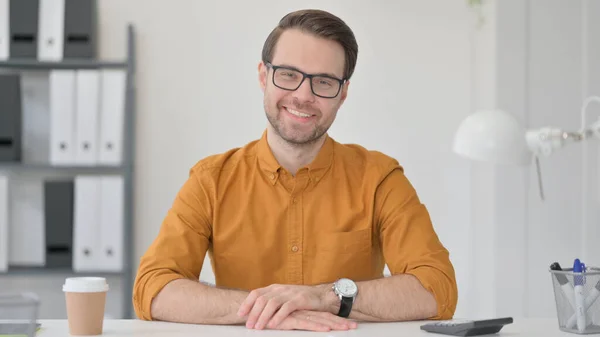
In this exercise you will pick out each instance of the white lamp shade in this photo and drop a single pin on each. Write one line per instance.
(492, 136)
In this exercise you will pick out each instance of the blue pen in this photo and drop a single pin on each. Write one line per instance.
(579, 300)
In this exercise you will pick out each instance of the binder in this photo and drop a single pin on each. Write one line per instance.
(86, 244)
(23, 28)
(26, 221)
(86, 130)
(35, 89)
(58, 212)
(111, 223)
(10, 117)
(3, 223)
(4, 29)
(51, 30)
(62, 117)
(112, 116)
(80, 29)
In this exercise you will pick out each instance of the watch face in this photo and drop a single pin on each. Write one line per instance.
(346, 287)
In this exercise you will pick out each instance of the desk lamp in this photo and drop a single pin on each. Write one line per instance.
(496, 136)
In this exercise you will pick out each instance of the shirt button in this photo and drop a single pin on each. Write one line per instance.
(272, 176)
(294, 249)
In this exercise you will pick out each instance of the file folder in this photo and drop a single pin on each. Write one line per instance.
(112, 116)
(58, 211)
(86, 130)
(26, 232)
(111, 223)
(10, 117)
(62, 117)
(23, 28)
(80, 29)
(4, 30)
(86, 243)
(3, 223)
(35, 89)
(51, 30)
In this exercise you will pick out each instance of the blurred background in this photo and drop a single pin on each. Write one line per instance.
(423, 67)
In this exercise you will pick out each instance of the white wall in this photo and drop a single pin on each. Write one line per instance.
(421, 69)
(542, 64)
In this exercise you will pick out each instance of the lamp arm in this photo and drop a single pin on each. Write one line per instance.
(547, 140)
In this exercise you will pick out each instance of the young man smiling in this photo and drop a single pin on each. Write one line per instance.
(298, 226)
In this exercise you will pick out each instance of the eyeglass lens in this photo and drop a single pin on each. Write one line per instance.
(291, 80)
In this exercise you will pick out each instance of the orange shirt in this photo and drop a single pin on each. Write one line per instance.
(346, 214)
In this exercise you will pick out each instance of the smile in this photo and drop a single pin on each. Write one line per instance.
(298, 113)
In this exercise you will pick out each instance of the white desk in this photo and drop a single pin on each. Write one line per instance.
(127, 328)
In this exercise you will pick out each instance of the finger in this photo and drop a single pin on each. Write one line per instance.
(308, 324)
(286, 309)
(272, 306)
(337, 319)
(248, 303)
(257, 309)
(334, 322)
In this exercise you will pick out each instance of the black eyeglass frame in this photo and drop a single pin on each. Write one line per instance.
(305, 76)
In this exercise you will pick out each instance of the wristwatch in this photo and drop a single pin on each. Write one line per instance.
(346, 290)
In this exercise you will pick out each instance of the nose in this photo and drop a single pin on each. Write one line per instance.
(304, 92)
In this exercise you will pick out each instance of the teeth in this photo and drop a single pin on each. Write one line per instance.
(297, 113)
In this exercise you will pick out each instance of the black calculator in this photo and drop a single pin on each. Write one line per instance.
(474, 327)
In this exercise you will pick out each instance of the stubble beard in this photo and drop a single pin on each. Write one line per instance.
(293, 136)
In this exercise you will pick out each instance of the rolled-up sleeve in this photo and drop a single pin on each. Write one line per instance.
(410, 244)
(180, 247)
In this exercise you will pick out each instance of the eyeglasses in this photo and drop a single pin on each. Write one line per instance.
(291, 79)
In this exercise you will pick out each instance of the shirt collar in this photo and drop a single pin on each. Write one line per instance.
(316, 169)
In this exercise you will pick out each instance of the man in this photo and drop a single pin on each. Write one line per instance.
(298, 227)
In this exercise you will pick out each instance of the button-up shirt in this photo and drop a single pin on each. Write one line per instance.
(347, 214)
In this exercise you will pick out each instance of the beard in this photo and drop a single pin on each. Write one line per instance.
(294, 133)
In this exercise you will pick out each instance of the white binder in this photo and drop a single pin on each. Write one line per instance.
(51, 22)
(111, 223)
(62, 117)
(4, 29)
(86, 244)
(3, 223)
(86, 117)
(112, 116)
(35, 89)
(27, 231)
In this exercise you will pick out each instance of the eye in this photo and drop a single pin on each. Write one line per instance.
(287, 73)
(325, 82)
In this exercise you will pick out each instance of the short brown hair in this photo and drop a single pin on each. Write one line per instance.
(322, 24)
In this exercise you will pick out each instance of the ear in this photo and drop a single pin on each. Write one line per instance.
(344, 92)
(262, 75)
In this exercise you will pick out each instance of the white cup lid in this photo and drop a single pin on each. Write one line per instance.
(85, 285)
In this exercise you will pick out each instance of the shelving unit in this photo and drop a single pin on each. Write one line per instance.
(125, 278)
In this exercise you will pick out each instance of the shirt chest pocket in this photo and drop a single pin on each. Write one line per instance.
(342, 254)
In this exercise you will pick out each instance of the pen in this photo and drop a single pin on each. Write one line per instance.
(579, 300)
(565, 285)
(592, 297)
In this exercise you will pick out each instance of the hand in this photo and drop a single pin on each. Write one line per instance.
(315, 321)
(271, 305)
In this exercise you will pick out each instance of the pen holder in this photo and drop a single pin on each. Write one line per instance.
(577, 300)
(18, 314)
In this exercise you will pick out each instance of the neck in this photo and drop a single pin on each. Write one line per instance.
(293, 156)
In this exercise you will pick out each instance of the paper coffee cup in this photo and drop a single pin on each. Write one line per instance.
(86, 300)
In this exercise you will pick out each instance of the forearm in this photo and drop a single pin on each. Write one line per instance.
(188, 301)
(394, 298)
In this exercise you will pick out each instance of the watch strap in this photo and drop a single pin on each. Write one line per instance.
(345, 306)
